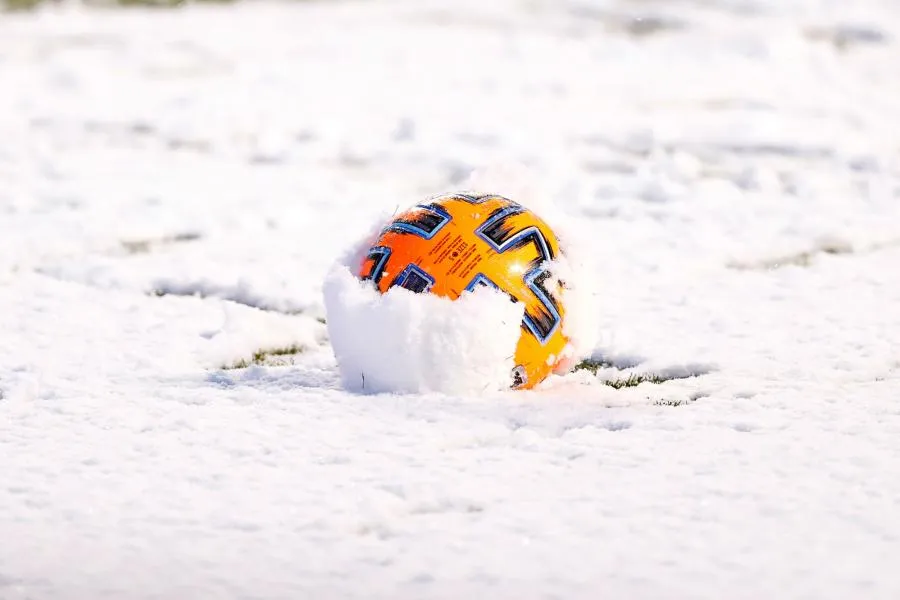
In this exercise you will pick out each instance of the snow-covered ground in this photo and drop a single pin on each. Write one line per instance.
(175, 185)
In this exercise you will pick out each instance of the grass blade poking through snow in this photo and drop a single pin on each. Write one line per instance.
(593, 366)
(272, 357)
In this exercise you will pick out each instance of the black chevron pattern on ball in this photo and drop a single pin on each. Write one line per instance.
(500, 232)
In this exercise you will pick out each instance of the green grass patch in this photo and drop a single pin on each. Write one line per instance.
(634, 380)
(18, 5)
(143, 246)
(270, 357)
(672, 402)
(593, 366)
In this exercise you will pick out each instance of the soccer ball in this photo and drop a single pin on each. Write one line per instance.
(454, 244)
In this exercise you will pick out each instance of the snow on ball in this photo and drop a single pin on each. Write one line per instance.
(403, 342)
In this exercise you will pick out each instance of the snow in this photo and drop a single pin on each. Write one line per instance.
(176, 186)
(403, 342)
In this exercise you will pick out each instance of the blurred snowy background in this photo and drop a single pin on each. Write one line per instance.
(175, 183)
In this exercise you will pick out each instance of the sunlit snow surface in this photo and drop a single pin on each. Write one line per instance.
(176, 185)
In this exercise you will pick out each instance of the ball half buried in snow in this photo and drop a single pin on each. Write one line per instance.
(453, 246)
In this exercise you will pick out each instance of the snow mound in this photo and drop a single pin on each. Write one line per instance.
(406, 342)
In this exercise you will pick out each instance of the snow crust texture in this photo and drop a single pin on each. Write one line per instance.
(176, 187)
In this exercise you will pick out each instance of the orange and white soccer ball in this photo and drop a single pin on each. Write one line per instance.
(452, 244)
